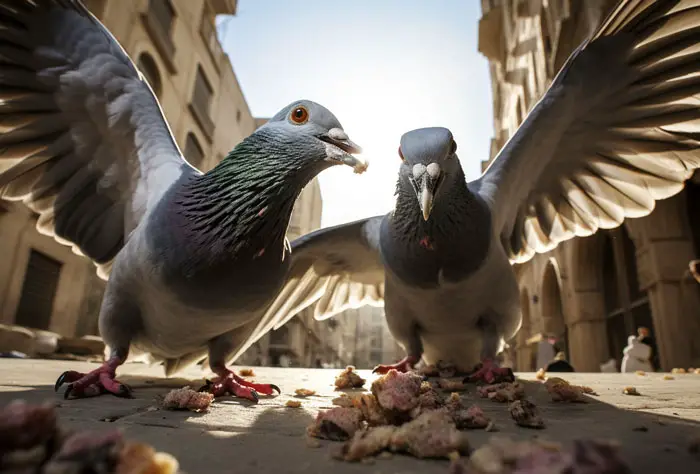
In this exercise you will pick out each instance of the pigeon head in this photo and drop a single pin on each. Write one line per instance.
(428, 157)
(313, 136)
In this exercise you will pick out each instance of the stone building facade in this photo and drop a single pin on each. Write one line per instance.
(43, 285)
(590, 293)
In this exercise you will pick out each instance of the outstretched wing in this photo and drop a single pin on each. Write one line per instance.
(332, 269)
(83, 141)
(616, 131)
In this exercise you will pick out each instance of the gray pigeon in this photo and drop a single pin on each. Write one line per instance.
(193, 259)
(616, 131)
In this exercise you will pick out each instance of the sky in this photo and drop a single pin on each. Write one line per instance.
(382, 67)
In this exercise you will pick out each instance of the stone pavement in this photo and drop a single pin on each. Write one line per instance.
(237, 436)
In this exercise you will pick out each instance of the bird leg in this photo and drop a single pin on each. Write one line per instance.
(488, 370)
(228, 382)
(404, 365)
(99, 381)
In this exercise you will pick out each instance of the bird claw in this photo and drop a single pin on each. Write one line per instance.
(69, 389)
(275, 387)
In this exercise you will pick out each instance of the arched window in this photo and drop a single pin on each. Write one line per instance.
(193, 150)
(149, 69)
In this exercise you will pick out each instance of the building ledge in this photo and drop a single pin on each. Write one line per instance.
(163, 42)
(491, 34)
(223, 7)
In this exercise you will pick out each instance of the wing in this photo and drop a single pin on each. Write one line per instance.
(332, 269)
(83, 141)
(616, 131)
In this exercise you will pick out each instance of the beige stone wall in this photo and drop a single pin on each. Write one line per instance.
(563, 291)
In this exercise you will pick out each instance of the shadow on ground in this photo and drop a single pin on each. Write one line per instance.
(237, 436)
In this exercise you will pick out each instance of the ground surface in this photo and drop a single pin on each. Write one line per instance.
(237, 436)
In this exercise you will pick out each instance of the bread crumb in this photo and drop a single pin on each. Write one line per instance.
(541, 374)
(187, 399)
(348, 378)
(293, 404)
(304, 392)
(669, 377)
(630, 391)
(641, 373)
(246, 373)
(678, 371)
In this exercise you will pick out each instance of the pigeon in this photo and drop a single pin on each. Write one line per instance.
(192, 260)
(615, 132)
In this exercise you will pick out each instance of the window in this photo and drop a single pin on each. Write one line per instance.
(201, 98)
(193, 151)
(149, 69)
(38, 291)
(163, 13)
(201, 103)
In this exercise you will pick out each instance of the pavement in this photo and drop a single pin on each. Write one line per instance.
(654, 429)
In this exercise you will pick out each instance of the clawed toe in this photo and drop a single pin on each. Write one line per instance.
(275, 387)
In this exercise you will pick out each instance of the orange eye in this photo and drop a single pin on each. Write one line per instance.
(299, 115)
(401, 155)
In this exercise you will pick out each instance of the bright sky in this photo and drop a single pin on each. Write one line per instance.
(382, 67)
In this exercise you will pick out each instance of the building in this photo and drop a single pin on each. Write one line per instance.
(590, 293)
(43, 285)
(367, 341)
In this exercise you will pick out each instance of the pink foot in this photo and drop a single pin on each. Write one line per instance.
(404, 365)
(99, 381)
(491, 373)
(228, 382)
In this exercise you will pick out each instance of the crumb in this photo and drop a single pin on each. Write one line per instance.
(336, 424)
(343, 401)
(470, 418)
(526, 414)
(367, 442)
(643, 429)
(630, 391)
(541, 374)
(348, 378)
(502, 392)
(640, 372)
(293, 404)
(429, 399)
(431, 435)
(187, 399)
(304, 392)
(562, 391)
(505, 456)
(372, 412)
(451, 385)
(669, 377)
(678, 371)
(696, 371)
(397, 391)
(246, 373)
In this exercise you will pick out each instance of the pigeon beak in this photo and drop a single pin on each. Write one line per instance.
(426, 187)
(339, 149)
(425, 199)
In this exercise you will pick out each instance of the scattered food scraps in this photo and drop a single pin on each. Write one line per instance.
(348, 378)
(336, 424)
(562, 391)
(187, 399)
(630, 391)
(32, 441)
(669, 377)
(397, 391)
(293, 404)
(431, 435)
(343, 401)
(526, 414)
(502, 455)
(678, 371)
(451, 385)
(246, 373)
(304, 392)
(372, 412)
(640, 372)
(502, 392)
(541, 374)
(367, 442)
